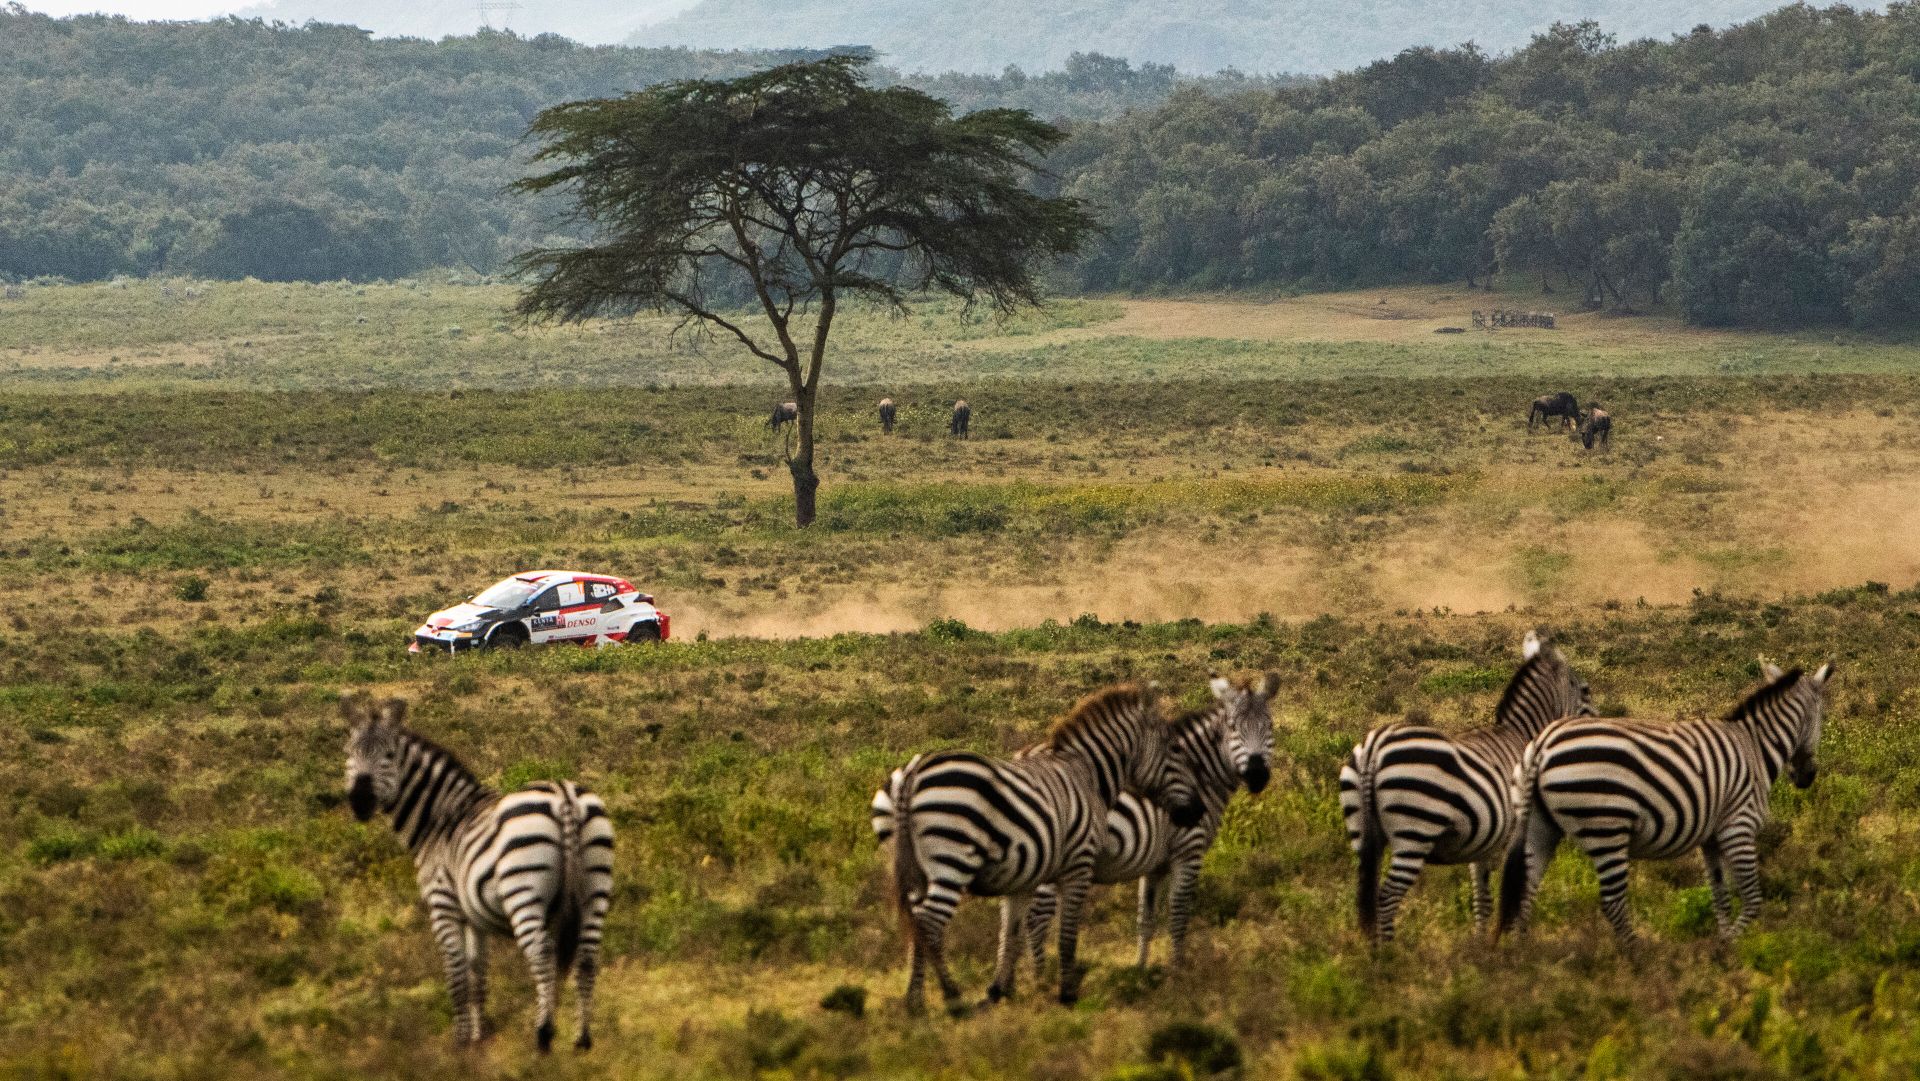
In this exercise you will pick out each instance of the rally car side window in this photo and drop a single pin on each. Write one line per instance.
(571, 593)
(599, 591)
(548, 599)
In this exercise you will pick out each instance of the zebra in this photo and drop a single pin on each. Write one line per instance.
(536, 864)
(1421, 796)
(1227, 744)
(962, 417)
(965, 823)
(784, 413)
(886, 416)
(1548, 406)
(1627, 789)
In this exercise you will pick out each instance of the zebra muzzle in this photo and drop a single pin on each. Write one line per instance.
(360, 797)
(1187, 813)
(1256, 774)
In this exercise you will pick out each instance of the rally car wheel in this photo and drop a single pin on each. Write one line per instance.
(510, 636)
(644, 632)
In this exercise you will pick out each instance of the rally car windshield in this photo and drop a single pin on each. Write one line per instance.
(511, 593)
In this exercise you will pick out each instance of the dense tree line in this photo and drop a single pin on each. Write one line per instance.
(240, 147)
(1765, 174)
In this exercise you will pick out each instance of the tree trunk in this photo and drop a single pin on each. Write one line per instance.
(805, 481)
(805, 484)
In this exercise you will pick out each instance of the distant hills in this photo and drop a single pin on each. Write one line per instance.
(593, 22)
(1266, 36)
(1197, 36)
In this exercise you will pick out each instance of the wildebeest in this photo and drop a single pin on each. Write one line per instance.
(886, 415)
(962, 415)
(784, 413)
(1597, 427)
(1559, 405)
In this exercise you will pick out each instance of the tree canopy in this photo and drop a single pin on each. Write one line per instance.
(1767, 174)
(795, 188)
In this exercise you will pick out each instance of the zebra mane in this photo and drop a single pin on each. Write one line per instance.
(1522, 676)
(1093, 709)
(1766, 696)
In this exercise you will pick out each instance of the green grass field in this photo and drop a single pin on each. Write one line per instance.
(1155, 488)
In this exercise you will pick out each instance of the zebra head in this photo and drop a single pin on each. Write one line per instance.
(1801, 762)
(375, 743)
(1159, 769)
(1248, 726)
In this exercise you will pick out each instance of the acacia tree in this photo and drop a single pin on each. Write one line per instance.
(755, 207)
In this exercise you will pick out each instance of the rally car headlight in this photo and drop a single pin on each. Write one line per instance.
(467, 628)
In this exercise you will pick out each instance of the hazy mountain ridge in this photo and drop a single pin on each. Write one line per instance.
(593, 22)
(1197, 36)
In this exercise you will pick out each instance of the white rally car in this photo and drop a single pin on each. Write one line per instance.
(539, 607)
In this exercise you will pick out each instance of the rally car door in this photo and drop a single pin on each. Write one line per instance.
(549, 621)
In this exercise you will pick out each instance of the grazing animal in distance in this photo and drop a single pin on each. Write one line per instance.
(962, 416)
(963, 823)
(1630, 789)
(886, 415)
(1227, 744)
(1417, 795)
(784, 413)
(1598, 427)
(535, 864)
(1560, 405)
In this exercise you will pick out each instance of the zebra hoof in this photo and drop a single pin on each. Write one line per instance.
(584, 1042)
(543, 1037)
(958, 1010)
(995, 995)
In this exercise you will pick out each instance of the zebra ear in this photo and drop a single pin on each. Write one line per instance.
(1221, 685)
(353, 708)
(1530, 645)
(1769, 669)
(393, 712)
(1825, 673)
(1270, 685)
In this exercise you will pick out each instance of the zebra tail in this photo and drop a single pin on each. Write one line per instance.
(909, 879)
(1373, 842)
(1513, 874)
(572, 899)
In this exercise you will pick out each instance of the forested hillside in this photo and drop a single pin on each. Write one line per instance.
(1197, 35)
(241, 148)
(1766, 174)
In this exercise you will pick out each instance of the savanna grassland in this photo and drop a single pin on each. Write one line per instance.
(221, 505)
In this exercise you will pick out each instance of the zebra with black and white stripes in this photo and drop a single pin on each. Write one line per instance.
(1227, 744)
(964, 823)
(1629, 789)
(1419, 795)
(536, 864)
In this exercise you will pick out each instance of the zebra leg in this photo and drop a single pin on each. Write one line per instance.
(1610, 864)
(917, 970)
(1482, 895)
(1402, 872)
(1039, 917)
(1186, 880)
(1006, 959)
(933, 940)
(1073, 887)
(1149, 901)
(1542, 838)
(536, 945)
(476, 947)
(449, 932)
(1717, 879)
(586, 971)
(1743, 859)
